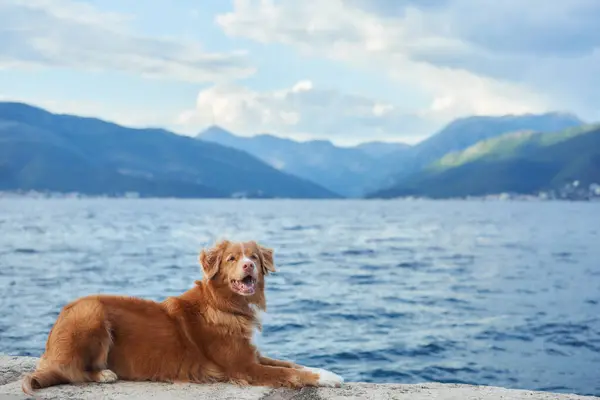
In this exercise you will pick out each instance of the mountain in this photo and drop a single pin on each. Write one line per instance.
(382, 149)
(44, 151)
(465, 132)
(508, 145)
(524, 162)
(350, 171)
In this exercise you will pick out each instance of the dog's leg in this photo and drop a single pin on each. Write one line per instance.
(287, 364)
(80, 342)
(327, 377)
(277, 363)
(264, 375)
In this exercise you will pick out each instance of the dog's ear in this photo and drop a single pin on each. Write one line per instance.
(210, 259)
(267, 261)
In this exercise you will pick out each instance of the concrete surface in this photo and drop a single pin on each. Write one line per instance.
(11, 369)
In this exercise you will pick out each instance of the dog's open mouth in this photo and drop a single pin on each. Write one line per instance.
(245, 286)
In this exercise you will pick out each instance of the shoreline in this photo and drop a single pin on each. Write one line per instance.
(407, 199)
(13, 367)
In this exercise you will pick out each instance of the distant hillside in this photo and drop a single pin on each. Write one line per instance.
(465, 132)
(508, 145)
(44, 151)
(518, 162)
(382, 149)
(350, 171)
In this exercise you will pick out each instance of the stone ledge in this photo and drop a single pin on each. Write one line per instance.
(12, 368)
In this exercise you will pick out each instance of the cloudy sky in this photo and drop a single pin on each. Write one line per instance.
(344, 70)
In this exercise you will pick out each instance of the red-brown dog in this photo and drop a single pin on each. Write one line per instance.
(203, 335)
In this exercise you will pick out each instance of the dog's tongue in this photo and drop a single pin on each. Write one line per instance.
(249, 287)
(246, 285)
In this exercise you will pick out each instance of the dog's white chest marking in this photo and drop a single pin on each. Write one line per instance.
(256, 334)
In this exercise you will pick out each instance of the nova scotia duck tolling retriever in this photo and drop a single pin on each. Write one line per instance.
(202, 336)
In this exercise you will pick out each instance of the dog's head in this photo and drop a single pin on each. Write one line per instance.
(239, 267)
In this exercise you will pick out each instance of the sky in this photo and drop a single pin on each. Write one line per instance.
(348, 71)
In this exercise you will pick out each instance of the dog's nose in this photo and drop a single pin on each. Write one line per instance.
(248, 266)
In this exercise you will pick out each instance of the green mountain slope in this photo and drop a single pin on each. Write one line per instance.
(523, 162)
(463, 133)
(44, 151)
(507, 145)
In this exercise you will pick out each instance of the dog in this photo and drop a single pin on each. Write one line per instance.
(201, 336)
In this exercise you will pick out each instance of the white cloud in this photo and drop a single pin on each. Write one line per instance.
(303, 112)
(396, 45)
(302, 86)
(461, 57)
(552, 48)
(484, 57)
(561, 28)
(71, 34)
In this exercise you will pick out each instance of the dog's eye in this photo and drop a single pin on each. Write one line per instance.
(254, 257)
(231, 258)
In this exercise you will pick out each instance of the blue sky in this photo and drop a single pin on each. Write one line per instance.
(344, 70)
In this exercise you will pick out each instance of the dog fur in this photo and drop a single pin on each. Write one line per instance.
(202, 336)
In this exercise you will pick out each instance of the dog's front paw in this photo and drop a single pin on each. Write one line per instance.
(106, 376)
(326, 378)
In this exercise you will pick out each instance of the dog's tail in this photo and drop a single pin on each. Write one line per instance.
(41, 378)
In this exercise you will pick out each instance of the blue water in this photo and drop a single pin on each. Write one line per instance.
(490, 293)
